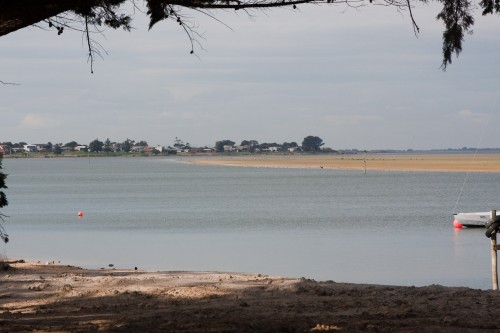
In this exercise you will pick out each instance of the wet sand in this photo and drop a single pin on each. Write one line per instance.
(388, 162)
(56, 298)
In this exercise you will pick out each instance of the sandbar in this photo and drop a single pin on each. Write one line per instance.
(37, 297)
(387, 162)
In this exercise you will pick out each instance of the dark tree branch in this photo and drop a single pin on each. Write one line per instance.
(91, 55)
(11, 83)
(416, 29)
(18, 14)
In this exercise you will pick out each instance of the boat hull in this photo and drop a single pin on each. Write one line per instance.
(471, 220)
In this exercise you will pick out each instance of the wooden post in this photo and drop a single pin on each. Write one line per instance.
(494, 271)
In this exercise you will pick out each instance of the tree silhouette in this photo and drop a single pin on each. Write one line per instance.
(127, 145)
(96, 145)
(57, 149)
(312, 143)
(84, 15)
(219, 145)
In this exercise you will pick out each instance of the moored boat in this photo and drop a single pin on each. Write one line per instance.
(471, 220)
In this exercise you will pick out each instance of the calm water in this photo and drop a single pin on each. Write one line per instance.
(163, 214)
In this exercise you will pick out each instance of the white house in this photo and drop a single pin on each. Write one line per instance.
(81, 148)
(29, 148)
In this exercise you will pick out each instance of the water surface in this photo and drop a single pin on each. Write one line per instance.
(163, 214)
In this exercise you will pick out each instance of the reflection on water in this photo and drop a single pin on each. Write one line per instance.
(161, 214)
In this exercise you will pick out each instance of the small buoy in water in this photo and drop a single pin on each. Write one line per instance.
(457, 224)
(80, 214)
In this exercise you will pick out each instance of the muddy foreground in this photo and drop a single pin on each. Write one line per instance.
(55, 298)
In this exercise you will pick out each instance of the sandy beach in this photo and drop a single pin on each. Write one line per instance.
(38, 297)
(389, 162)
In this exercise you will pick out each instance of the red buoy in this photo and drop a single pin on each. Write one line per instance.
(457, 224)
(80, 214)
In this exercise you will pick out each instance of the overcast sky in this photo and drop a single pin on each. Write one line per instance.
(356, 78)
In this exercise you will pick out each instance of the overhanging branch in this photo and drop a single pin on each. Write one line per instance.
(18, 14)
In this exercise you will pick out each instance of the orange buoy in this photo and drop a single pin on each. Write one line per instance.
(457, 224)
(80, 214)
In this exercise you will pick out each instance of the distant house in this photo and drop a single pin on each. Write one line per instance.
(4, 149)
(116, 147)
(294, 149)
(82, 148)
(41, 146)
(274, 149)
(245, 148)
(172, 150)
(196, 150)
(137, 148)
(228, 148)
(30, 148)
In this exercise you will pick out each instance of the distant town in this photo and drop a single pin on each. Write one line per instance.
(310, 144)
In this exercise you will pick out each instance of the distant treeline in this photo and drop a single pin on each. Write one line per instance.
(309, 144)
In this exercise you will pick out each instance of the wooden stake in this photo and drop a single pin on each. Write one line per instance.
(494, 271)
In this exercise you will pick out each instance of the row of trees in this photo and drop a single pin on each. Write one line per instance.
(108, 146)
(98, 145)
(309, 144)
(94, 146)
(127, 145)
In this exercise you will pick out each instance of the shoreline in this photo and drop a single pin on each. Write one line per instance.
(58, 298)
(488, 163)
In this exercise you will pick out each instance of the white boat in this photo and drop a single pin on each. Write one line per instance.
(471, 220)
